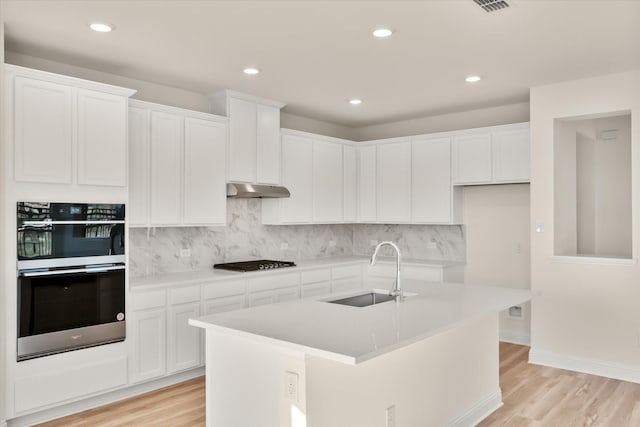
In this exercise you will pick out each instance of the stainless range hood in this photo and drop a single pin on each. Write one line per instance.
(247, 191)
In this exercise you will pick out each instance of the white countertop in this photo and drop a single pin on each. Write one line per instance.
(212, 275)
(353, 335)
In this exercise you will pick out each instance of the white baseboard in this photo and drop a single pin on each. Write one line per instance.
(104, 399)
(479, 411)
(601, 368)
(515, 338)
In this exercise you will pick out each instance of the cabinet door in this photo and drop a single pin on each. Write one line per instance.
(204, 188)
(166, 170)
(242, 140)
(472, 159)
(260, 298)
(431, 181)
(350, 183)
(367, 184)
(149, 345)
(297, 176)
(43, 131)
(220, 305)
(268, 145)
(327, 181)
(316, 289)
(138, 207)
(183, 346)
(102, 139)
(511, 156)
(394, 182)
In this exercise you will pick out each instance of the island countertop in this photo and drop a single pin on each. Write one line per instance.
(352, 335)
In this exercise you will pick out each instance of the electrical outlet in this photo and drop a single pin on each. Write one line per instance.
(332, 243)
(373, 242)
(291, 386)
(432, 245)
(284, 246)
(391, 416)
(518, 248)
(185, 253)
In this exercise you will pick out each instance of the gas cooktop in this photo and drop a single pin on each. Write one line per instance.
(261, 264)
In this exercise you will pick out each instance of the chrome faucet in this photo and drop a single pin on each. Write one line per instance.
(397, 289)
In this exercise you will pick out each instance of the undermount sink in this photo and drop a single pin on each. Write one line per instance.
(363, 300)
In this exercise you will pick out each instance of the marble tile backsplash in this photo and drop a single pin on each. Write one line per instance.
(157, 250)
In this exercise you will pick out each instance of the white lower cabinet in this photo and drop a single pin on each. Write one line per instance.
(273, 296)
(148, 335)
(315, 282)
(183, 340)
(345, 278)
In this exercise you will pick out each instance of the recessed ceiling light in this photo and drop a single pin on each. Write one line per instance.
(101, 27)
(252, 71)
(382, 32)
(355, 101)
(472, 79)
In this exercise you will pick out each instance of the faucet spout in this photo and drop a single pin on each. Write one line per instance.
(397, 289)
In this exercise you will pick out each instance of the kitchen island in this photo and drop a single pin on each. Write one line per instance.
(430, 360)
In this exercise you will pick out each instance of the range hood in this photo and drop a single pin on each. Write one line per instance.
(245, 191)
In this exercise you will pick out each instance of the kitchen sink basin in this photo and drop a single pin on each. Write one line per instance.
(363, 300)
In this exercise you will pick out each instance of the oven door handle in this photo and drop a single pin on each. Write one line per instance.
(49, 222)
(72, 270)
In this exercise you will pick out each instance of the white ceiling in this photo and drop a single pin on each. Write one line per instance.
(315, 55)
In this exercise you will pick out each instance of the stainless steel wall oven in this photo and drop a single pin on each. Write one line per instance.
(71, 276)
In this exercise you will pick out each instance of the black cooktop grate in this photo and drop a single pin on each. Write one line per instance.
(261, 264)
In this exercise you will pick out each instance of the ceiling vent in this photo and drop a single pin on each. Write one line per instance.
(492, 5)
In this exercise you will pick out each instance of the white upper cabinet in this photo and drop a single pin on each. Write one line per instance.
(268, 144)
(138, 211)
(177, 166)
(319, 172)
(66, 131)
(472, 158)
(327, 181)
(394, 181)
(43, 133)
(367, 183)
(102, 138)
(511, 154)
(166, 168)
(297, 176)
(254, 136)
(431, 192)
(350, 184)
(493, 155)
(204, 187)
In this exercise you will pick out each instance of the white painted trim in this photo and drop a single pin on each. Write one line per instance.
(589, 260)
(16, 70)
(479, 411)
(601, 368)
(3, 423)
(246, 97)
(316, 136)
(104, 399)
(152, 106)
(515, 338)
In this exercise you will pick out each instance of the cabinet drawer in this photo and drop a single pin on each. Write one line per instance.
(273, 282)
(184, 294)
(219, 305)
(316, 289)
(432, 274)
(146, 300)
(346, 271)
(223, 289)
(314, 276)
(77, 381)
(341, 285)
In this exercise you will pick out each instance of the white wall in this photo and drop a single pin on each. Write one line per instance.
(490, 116)
(586, 317)
(497, 224)
(3, 263)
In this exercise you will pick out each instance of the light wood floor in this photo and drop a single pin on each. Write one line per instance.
(534, 396)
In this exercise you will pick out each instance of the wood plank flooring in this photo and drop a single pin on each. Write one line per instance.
(534, 396)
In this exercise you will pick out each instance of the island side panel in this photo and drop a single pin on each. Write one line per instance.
(451, 379)
(245, 383)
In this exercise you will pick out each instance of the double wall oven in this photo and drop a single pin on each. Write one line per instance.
(71, 276)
